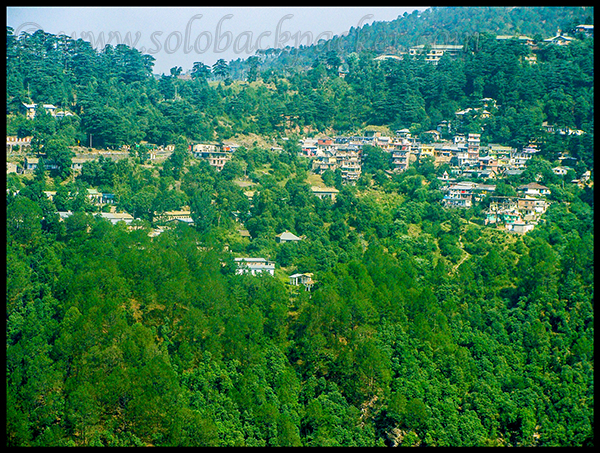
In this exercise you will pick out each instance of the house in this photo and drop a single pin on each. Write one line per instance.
(519, 158)
(184, 220)
(444, 127)
(21, 142)
(325, 192)
(77, 163)
(446, 177)
(116, 217)
(501, 209)
(521, 227)
(587, 30)
(254, 266)
(94, 196)
(383, 142)
(403, 133)
(559, 39)
(167, 216)
(64, 214)
(229, 147)
(401, 157)
(488, 163)
(509, 218)
(286, 236)
(348, 160)
(533, 189)
(586, 176)
(513, 172)
(487, 174)
(567, 161)
(426, 150)
(387, 57)
(531, 205)
(245, 233)
(302, 279)
(502, 154)
(62, 113)
(113, 217)
(435, 52)
(216, 158)
(31, 163)
(460, 195)
(156, 232)
(11, 167)
(481, 190)
(325, 160)
(473, 141)
(50, 194)
(560, 170)
(325, 143)
(521, 39)
(108, 198)
(30, 109)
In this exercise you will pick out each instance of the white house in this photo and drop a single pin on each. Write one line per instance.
(560, 170)
(324, 192)
(522, 227)
(533, 189)
(302, 279)
(116, 217)
(559, 39)
(254, 266)
(286, 236)
(31, 108)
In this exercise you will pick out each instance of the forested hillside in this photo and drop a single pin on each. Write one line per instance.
(435, 25)
(425, 327)
(118, 101)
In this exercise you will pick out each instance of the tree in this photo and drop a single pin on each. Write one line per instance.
(23, 221)
(200, 71)
(220, 69)
(253, 62)
(175, 71)
(202, 212)
(374, 159)
(39, 174)
(59, 153)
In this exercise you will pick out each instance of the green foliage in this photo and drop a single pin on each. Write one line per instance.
(423, 328)
(118, 103)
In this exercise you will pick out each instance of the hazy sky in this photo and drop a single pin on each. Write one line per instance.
(179, 36)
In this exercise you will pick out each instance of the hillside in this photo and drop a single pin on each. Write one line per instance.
(209, 273)
(435, 25)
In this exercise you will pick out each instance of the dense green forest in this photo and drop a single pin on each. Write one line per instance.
(425, 327)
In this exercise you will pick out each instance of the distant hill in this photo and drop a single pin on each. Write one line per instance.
(436, 25)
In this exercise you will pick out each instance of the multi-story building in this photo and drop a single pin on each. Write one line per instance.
(460, 195)
(519, 158)
(348, 161)
(401, 155)
(216, 156)
(21, 142)
(434, 52)
(324, 160)
(532, 205)
(254, 266)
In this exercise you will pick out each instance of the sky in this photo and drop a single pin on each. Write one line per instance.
(180, 36)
